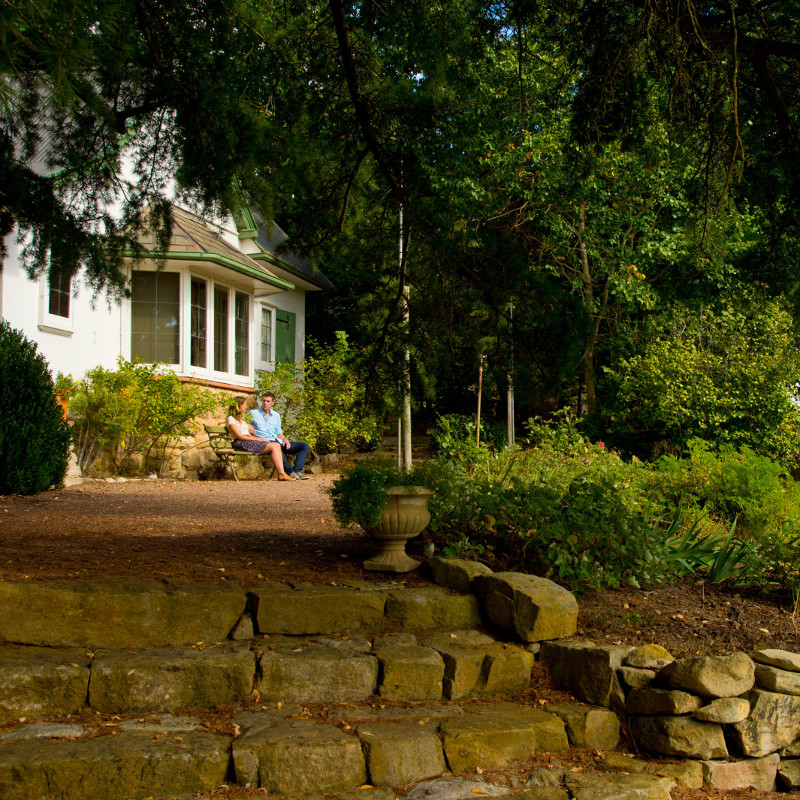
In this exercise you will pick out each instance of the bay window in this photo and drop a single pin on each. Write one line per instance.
(196, 324)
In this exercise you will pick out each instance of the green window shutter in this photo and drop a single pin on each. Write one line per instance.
(285, 325)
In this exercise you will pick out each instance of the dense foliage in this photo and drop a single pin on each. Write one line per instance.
(34, 437)
(134, 410)
(321, 399)
(577, 181)
(572, 510)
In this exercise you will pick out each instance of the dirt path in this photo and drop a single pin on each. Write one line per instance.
(204, 531)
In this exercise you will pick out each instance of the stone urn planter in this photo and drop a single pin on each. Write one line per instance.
(404, 516)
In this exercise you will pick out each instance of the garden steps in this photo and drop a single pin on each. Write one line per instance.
(352, 684)
(320, 689)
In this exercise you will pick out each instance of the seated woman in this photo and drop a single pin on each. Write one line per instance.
(242, 439)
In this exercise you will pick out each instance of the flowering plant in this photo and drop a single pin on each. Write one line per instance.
(64, 385)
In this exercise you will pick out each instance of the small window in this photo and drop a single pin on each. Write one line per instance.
(60, 287)
(56, 308)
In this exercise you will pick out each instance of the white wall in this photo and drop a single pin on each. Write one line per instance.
(94, 338)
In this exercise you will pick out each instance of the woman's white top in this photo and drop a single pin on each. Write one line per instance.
(239, 429)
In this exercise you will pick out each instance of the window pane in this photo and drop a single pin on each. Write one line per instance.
(220, 329)
(59, 295)
(266, 334)
(155, 317)
(199, 322)
(240, 334)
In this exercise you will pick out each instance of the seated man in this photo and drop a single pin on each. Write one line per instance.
(266, 423)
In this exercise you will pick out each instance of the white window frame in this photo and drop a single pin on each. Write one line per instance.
(53, 323)
(261, 365)
(187, 274)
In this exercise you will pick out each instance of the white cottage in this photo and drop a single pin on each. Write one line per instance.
(225, 306)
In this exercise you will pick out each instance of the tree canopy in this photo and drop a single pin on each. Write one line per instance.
(566, 171)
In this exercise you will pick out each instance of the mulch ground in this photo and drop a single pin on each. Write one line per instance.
(257, 531)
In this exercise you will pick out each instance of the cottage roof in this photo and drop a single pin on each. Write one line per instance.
(195, 239)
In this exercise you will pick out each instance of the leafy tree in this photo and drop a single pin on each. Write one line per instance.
(725, 372)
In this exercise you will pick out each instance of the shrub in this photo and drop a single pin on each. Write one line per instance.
(34, 438)
(320, 399)
(360, 492)
(131, 410)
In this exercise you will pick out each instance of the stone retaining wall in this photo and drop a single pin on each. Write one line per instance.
(125, 646)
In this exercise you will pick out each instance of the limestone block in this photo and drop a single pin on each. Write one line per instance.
(791, 751)
(648, 656)
(594, 786)
(113, 767)
(551, 775)
(409, 673)
(243, 628)
(432, 609)
(38, 682)
(588, 671)
(758, 773)
(495, 738)
(298, 758)
(463, 663)
(773, 723)
(686, 773)
(427, 715)
(533, 608)
(789, 774)
(711, 676)
(159, 679)
(401, 752)
(635, 678)
(117, 612)
(678, 736)
(506, 669)
(782, 659)
(595, 728)
(662, 701)
(543, 793)
(456, 573)
(456, 789)
(314, 610)
(395, 639)
(43, 730)
(477, 665)
(777, 680)
(317, 674)
(724, 710)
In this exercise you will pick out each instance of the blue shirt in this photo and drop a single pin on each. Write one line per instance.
(267, 426)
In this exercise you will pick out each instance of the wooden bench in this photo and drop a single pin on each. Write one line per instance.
(221, 442)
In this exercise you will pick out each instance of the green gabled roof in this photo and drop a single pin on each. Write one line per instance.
(194, 240)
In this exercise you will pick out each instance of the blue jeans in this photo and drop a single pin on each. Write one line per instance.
(299, 449)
